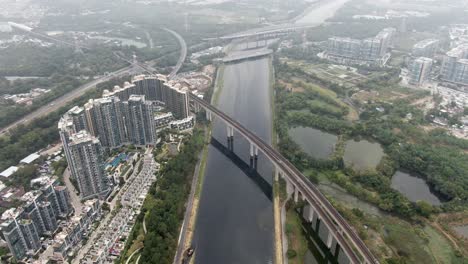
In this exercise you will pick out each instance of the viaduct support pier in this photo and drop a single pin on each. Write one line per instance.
(334, 230)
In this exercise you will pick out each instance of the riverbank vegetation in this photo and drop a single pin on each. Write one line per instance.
(168, 196)
(390, 119)
(395, 125)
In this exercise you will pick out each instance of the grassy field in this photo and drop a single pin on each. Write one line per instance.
(334, 73)
(297, 243)
(300, 85)
(388, 236)
(406, 240)
(440, 248)
(392, 239)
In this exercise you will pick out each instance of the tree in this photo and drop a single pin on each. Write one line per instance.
(23, 176)
(424, 208)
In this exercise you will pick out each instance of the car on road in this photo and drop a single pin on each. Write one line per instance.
(189, 252)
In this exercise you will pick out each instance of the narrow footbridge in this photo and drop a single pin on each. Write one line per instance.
(318, 210)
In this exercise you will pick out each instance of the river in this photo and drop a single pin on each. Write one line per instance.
(322, 11)
(235, 218)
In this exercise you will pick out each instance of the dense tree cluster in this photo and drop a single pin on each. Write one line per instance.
(23, 177)
(436, 156)
(169, 194)
(60, 85)
(31, 60)
(41, 132)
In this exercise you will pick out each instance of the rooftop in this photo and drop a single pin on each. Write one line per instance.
(346, 39)
(82, 137)
(10, 214)
(182, 121)
(425, 43)
(385, 32)
(162, 115)
(423, 59)
(76, 110)
(32, 157)
(458, 52)
(8, 172)
(136, 98)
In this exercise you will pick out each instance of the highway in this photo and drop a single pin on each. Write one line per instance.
(183, 52)
(337, 225)
(64, 99)
(70, 96)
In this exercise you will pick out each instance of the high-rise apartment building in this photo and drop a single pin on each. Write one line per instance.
(162, 120)
(48, 216)
(30, 234)
(176, 99)
(74, 230)
(31, 211)
(59, 199)
(14, 237)
(345, 47)
(63, 199)
(139, 119)
(78, 118)
(125, 115)
(156, 88)
(425, 48)
(72, 122)
(419, 70)
(22, 227)
(104, 115)
(370, 50)
(455, 65)
(150, 86)
(86, 165)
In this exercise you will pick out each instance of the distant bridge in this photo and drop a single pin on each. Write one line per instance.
(247, 55)
(318, 209)
(271, 31)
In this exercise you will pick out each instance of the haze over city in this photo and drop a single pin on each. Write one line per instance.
(234, 131)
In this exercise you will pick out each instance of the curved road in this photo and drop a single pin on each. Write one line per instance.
(64, 99)
(337, 225)
(183, 52)
(131, 256)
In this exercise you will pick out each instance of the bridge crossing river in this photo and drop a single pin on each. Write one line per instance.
(340, 235)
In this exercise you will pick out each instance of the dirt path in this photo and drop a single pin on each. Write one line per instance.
(437, 226)
(278, 229)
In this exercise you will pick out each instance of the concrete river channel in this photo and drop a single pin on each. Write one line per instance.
(235, 218)
(235, 222)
